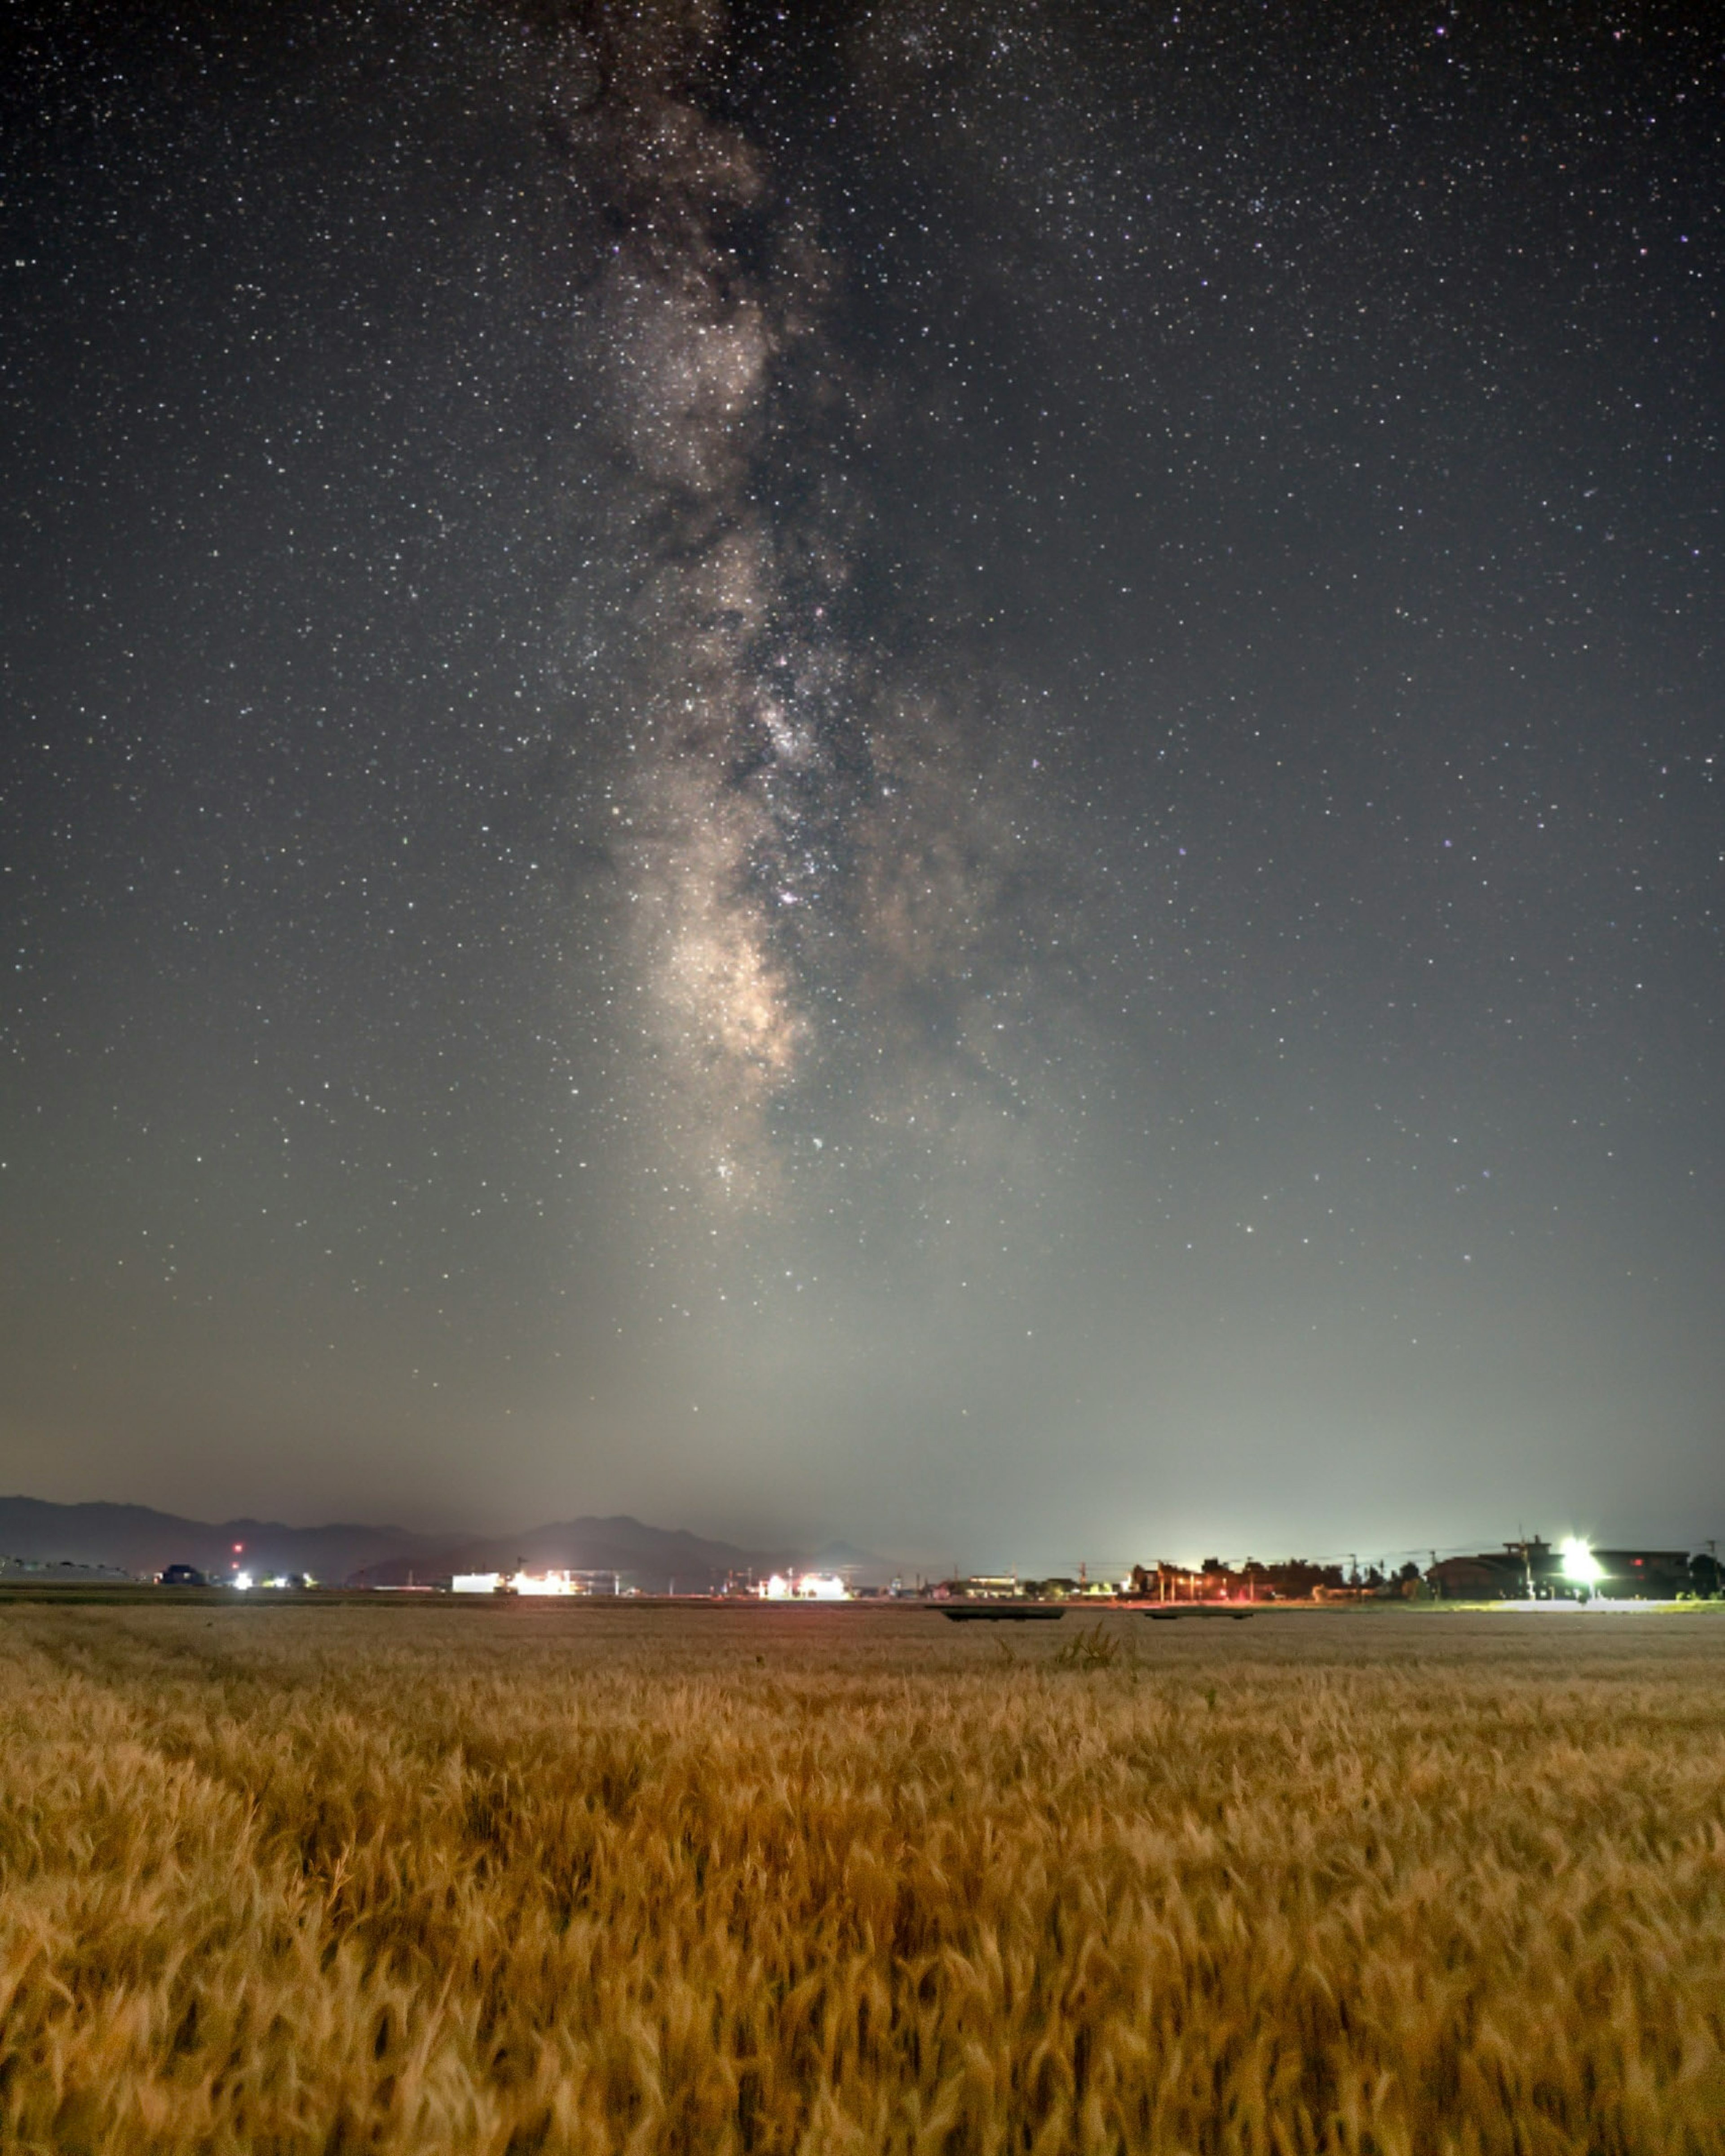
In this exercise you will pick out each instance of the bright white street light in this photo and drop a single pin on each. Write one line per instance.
(1581, 1567)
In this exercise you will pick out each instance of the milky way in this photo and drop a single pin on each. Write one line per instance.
(840, 889)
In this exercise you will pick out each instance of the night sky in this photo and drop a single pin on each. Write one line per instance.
(946, 773)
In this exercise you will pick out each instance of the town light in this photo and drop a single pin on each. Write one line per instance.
(1581, 1567)
(803, 1587)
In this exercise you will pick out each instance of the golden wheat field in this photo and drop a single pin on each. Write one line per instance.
(428, 1878)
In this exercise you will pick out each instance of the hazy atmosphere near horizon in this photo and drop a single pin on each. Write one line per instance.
(945, 774)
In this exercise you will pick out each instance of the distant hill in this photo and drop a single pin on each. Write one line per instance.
(861, 1567)
(136, 1539)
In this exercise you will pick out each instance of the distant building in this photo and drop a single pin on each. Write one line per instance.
(1162, 1582)
(1528, 1570)
(1643, 1575)
(1531, 1569)
(182, 1575)
(803, 1587)
(523, 1582)
(1484, 1579)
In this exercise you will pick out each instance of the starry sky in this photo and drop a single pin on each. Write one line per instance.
(942, 772)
